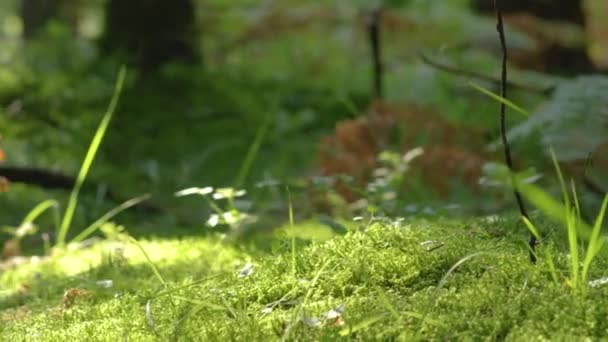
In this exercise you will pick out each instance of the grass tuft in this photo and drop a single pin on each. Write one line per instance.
(88, 160)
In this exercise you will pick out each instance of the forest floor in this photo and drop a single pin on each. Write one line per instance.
(383, 280)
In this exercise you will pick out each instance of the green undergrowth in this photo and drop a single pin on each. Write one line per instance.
(407, 280)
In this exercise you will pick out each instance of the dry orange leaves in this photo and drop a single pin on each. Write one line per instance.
(10, 249)
(354, 147)
(3, 181)
(71, 295)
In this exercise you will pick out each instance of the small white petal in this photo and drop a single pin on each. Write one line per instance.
(206, 190)
(598, 282)
(213, 220)
(312, 322)
(335, 312)
(246, 271)
(106, 283)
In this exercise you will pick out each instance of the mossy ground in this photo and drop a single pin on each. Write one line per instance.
(392, 281)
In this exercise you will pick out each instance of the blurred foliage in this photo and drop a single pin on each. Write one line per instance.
(574, 121)
(277, 130)
(307, 67)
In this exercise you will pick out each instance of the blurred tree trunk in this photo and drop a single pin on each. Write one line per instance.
(554, 57)
(150, 33)
(566, 10)
(36, 14)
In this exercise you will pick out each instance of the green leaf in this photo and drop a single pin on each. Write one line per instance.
(574, 121)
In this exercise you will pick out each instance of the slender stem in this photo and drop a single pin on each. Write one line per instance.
(588, 182)
(503, 127)
(492, 79)
(374, 38)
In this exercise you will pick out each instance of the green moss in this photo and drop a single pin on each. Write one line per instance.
(392, 286)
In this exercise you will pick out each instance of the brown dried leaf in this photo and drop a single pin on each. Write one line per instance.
(11, 249)
(597, 31)
(4, 184)
(70, 296)
(439, 164)
(356, 143)
(14, 314)
(548, 32)
(390, 21)
(281, 19)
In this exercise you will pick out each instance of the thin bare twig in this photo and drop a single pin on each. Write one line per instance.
(472, 74)
(587, 181)
(503, 127)
(374, 38)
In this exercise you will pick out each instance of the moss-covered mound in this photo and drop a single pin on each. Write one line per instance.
(408, 281)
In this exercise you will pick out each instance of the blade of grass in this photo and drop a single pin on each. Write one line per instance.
(442, 282)
(531, 227)
(544, 202)
(350, 106)
(199, 306)
(560, 177)
(595, 242)
(552, 268)
(363, 324)
(577, 206)
(387, 304)
(572, 222)
(109, 215)
(252, 153)
(40, 209)
(293, 235)
(149, 318)
(300, 308)
(88, 160)
(573, 246)
(393, 311)
(499, 98)
(185, 286)
(201, 303)
(148, 260)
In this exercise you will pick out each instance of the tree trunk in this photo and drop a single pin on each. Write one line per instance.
(150, 33)
(36, 14)
(554, 58)
(567, 10)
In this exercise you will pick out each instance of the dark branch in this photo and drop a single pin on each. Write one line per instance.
(593, 187)
(588, 182)
(472, 74)
(374, 38)
(39, 177)
(503, 127)
(54, 180)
